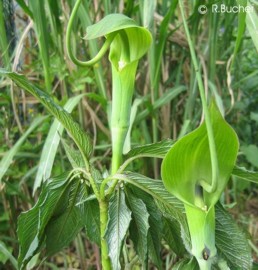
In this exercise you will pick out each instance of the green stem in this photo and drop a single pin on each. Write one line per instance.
(214, 162)
(75, 60)
(201, 225)
(105, 261)
(122, 93)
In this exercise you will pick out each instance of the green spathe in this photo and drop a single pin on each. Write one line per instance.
(128, 43)
(186, 169)
(187, 174)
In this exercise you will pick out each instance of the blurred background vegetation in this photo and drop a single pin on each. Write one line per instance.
(167, 103)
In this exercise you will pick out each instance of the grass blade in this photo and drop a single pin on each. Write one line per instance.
(8, 157)
(51, 144)
(38, 9)
(251, 24)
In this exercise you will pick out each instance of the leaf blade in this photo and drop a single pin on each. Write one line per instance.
(118, 223)
(231, 241)
(141, 225)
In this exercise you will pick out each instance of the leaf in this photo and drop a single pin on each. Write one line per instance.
(5, 255)
(231, 242)
(251, 153)
(155, 188)
(32, 224)
(164, 99)
(186, 264)
(134, 108)
(8, 157)
(25, 8)
(168, 204)
(148, 12)
(80, 137)
(155, 230)
(139, 226)
(154, 234)
(169, 213)
(118, 223)
(172, 236)
(74, 156)
(241, 25)
(187, 166)
(62, 230)
(90, 219)
(245, 174)
(51, 144)
(157, 150)
(252, 22)
(55, 217)
(37, 7)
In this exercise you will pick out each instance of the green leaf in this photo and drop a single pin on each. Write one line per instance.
(8, 157)
(118, 223)
(245, 174)
(5, 255)
(169, 95)
(134, 108)
(241, 25)
(148, 10)
(251, 153)
(252, 22)
(231, 242)
(186, 169)
(90, 219)
(62, 230)
(186, 264)
(31, 224)
(80, 137)
(74, 156)
(37, 7)
(172, 236)
(52, 218)
(155, 188)
(168, 212)
(51, 144)
(139, 226)
(157, 150)
(165, 203)
(25, 8)
(155, 231)
(155, 226)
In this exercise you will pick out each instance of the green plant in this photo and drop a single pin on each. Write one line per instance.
(120, 204)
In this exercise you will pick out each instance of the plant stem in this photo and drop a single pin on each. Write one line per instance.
(202, 231)
(105, 261)
(204, 265)
(214, 162)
